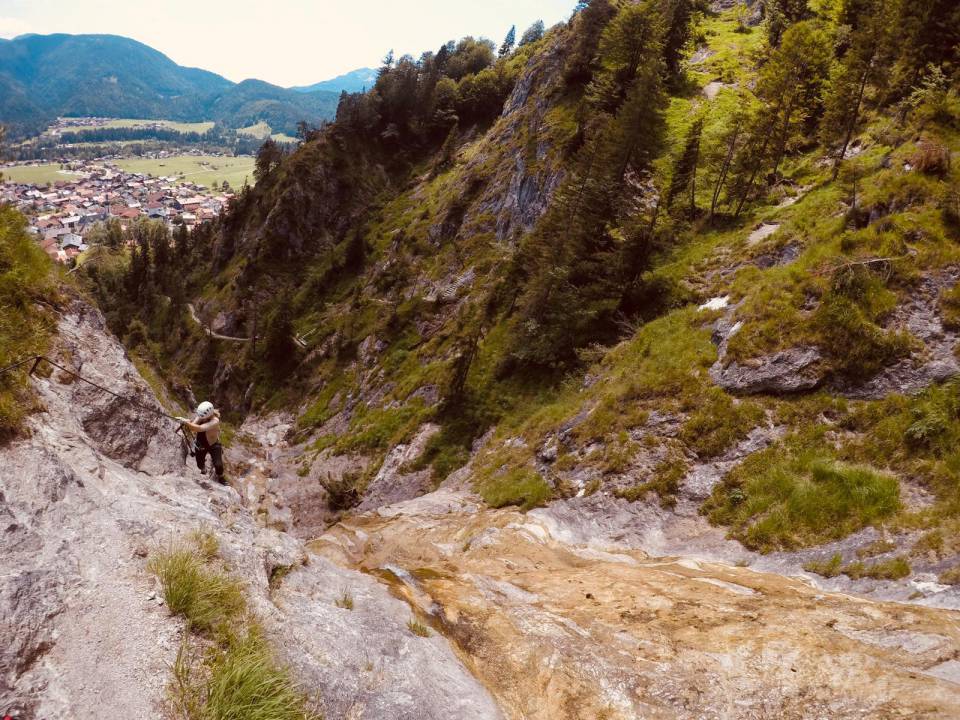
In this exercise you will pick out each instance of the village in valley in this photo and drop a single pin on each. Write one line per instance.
(61, 214)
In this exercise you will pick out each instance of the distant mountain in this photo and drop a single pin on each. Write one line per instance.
(353, 81)
(43, 76)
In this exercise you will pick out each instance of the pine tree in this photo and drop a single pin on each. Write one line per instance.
(789, 90)
(781, 14)
(864, 63)
(684, 177)
(591, 20)
(532, 33)
(677, 14)
(508, 42)
(573, 259)
(632, 39)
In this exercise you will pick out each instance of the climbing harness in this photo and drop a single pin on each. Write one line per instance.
(37, 359)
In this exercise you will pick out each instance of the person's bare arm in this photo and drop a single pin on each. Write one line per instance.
(196, 426)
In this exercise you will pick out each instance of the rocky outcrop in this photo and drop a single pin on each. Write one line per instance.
(935, 361)
(83, 630)
(787, 371)
(562, 622)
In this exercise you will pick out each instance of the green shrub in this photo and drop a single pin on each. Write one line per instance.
(795, 494)
(950, 307)
(951, 576)
(893, 569)
(847, 324)
(519, 486)
(719, 423)
(828, 568)
(665, 482)
(26, 277)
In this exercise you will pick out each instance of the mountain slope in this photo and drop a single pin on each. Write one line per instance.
(107, 75)
(354, 81)
(595, 281)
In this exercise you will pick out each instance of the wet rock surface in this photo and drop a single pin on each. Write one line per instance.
(560, 620)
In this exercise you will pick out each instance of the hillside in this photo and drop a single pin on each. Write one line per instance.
(352, 82)
(45, 76)
(709, 285)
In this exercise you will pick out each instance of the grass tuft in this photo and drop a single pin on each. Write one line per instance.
(418, 628)
(344, 600)
(796, 494)
(231, 673)
(207, 598)
(519, 486)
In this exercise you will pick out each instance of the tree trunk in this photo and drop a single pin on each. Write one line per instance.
(852, 123)
(725, 168)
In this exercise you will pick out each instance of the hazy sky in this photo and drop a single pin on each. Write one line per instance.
(287, 42)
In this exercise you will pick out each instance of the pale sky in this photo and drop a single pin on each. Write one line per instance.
(286, 42)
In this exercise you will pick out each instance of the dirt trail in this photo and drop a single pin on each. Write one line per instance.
(211, 333)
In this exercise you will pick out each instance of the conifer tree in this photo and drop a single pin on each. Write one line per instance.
(677, 14)
(508, 42)
(864, 63)
(789, 90)
(532, 33)
(591, 20)
(684, 177)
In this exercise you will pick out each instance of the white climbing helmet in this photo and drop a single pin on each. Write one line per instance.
(204, 409)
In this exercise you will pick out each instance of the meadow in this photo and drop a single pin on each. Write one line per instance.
(208, 170)
(184, 127)
(43, 174)
(262, 130)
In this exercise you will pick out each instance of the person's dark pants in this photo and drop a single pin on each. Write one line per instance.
(216, 455)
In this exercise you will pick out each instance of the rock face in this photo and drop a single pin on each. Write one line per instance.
(787, 371)
(562, 622)
(936, 360)
(82, 631)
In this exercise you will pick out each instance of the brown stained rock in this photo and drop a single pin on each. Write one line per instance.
(562, 632)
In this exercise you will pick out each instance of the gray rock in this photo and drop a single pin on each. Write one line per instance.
(81, 497)
(788, 371)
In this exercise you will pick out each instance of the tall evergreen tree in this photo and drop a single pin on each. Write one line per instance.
(677, 14)
(684, 177)
(865, 62)
(508, 42)
(532, 33)
(789, 90)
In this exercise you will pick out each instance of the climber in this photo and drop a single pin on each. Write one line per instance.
(206, 425)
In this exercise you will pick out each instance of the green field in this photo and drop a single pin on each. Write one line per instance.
(184, 127)
(201, 169)
(261, 130)
(36, 174)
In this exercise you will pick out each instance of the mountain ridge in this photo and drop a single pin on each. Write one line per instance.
(46, 76)
(353, 81)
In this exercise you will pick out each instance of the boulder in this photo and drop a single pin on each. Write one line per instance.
(787, 371)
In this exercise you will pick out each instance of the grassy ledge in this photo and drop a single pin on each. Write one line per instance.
(225, 668)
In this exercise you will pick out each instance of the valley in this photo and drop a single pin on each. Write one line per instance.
(609, 372)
